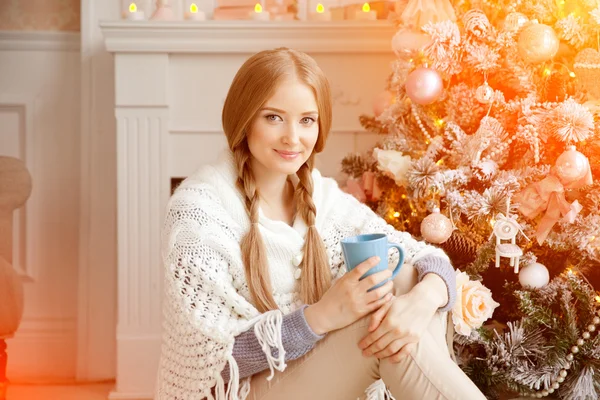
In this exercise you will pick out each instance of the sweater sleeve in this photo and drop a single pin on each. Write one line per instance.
(442, 268)
(297, 338)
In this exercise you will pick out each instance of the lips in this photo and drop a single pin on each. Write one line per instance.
(287, 155)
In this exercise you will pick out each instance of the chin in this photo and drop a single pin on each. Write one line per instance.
(287, 167)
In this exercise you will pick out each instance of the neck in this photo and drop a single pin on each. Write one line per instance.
(272, 186)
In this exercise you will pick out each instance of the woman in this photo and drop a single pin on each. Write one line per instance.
(255, 280)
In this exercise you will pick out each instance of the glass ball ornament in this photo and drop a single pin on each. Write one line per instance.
(424, 86)
(407, 41)
(571, 166)
(537, 43)
(596, 320)
(534, 275)
(436, 227)
(484, 94)
(515, 21)
(586, 335)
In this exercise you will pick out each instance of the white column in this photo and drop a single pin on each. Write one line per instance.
(142, 192)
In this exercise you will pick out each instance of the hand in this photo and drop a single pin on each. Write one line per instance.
(397, 327)
(347, 300)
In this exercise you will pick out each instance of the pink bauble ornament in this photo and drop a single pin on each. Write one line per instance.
(424, 86)
(381, 102)
(436, 228)
(407, 41)
(571, 166)
(534, 275)
(537, 43)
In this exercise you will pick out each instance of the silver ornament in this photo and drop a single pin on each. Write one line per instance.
(574, 349)
(580, 342)
(563, 372)
(586, 335)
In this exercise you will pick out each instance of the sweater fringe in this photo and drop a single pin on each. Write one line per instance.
(378, 391)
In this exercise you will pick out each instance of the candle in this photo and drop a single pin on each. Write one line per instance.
(259, 14)
(366, 14)
(320, 14)
(195, 14)
(134, 14)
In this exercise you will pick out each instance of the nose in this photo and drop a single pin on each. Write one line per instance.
(291, 135)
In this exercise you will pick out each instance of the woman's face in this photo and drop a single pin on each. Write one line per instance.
(284, 132)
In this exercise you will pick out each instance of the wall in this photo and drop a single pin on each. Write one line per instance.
(39, 15)
(39, 109)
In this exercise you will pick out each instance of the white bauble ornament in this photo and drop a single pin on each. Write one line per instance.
(436, 228)
(534, 275)
(537, 43)
(484, 93)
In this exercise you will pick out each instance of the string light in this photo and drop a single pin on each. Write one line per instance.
(396, 214)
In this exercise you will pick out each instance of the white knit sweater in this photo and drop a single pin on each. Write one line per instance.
(207, 300)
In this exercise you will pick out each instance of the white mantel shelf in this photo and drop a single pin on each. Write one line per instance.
(247, 36)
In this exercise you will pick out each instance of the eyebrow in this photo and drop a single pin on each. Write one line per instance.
(283, 112)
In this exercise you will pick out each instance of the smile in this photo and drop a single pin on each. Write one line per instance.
(287, 155)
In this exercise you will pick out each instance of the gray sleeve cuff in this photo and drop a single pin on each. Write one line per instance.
(442, 268)
(297, 338)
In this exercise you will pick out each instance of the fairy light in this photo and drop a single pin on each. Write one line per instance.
(132, 7)
(493, 222)
(597, 299)
(572, 74)
(396, 214)
(440, 161)
(403, 196)
(547, 72)
(439, 122)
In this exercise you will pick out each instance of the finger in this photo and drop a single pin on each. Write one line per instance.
(371, 338)
(380, 292)
(410, 348)
(364, 266)
(379, 344)
(380, 310)
(394, 347)
(375, 279)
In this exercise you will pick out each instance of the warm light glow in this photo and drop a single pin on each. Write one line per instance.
(396, 214)
(258, 8)
(193, 8)
(598, 299)
(403, 196)
(569, 271)
(592, 238)
(440, 161)
(572, 74)
(561, 2)
(547, 71)
(320, 8)
(132, 8)
(366, 7)
(439, 122)
(493, 222)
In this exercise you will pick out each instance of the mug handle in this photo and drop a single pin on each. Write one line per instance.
(400, 258)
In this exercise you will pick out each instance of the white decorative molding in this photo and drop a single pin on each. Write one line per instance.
(143, 188)
(48, 41)
(247, 36)
(23, 242)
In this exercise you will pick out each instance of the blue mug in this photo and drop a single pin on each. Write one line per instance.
(359, 248)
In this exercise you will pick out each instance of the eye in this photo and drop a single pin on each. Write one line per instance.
(273, 117)
(308, 120)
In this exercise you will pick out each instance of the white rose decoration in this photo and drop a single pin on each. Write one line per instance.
(394, 164)
(474, 304)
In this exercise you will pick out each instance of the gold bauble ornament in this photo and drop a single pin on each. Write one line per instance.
(537, 43)
(436, 228)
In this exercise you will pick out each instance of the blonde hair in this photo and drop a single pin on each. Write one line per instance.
(254, 83)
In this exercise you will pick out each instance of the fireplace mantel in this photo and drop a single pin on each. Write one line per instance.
(247, 36)
(171, 79)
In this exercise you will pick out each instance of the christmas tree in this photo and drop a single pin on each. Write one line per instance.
(490, 142)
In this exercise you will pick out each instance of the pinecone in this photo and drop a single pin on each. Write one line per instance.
(371, 124)
(460, 248)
